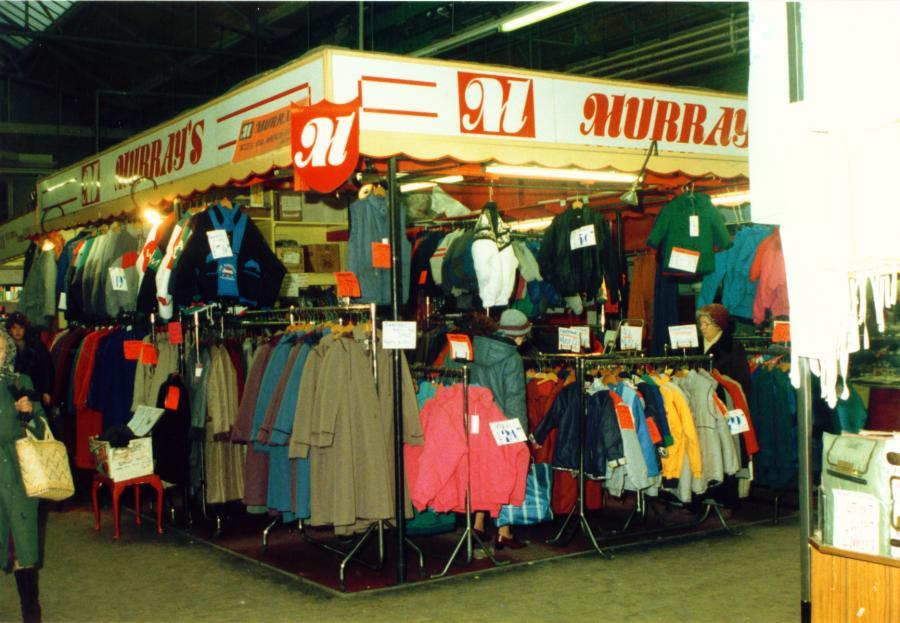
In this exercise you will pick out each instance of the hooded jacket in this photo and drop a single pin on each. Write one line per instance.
(499, 368)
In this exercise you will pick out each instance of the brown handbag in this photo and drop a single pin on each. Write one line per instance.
(45, 466)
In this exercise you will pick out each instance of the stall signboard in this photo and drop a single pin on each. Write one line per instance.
(324, 144)
(12, 236)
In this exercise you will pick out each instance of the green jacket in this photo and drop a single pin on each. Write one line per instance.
(499, 367)
(18, 512)
(672, 229)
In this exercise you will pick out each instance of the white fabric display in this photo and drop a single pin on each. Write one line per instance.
(495, 271)
(164, 275)
(838, 231)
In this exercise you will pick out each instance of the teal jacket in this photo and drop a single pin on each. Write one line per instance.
(732, 272)
(498, 367)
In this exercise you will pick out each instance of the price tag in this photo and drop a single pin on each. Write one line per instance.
(684, 336)
(460, 347)
(381, 255)
(781, 331)
(856, 521)
(117, 279)
(347, 285)
(62, 302)
(219, 245)
(172, 398)
(583, 237)
(737, 421)
(145, 418)
(694, 226)
(684, 259)
(198, 371)
(149, 356)
(290, 258)
(631, 337)
(423, 277)
(398, 335)
(569, 339)
(625, 417)
(508, 432)
(584, 336)
(132, 349)
(474, 424)
(175, 335)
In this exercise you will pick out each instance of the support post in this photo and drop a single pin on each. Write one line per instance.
(804, 453)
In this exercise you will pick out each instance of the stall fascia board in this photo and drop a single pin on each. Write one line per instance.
(327, 78)
(13, 241)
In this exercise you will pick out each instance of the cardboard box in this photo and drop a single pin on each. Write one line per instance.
(322, 258)
(124, 463)
(290, 207)
(292, 258)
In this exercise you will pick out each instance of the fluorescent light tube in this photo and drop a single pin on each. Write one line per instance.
(534, 224)
(538, 14)
(578, 175)
(408, 188)
(731, 199)
(449, 179)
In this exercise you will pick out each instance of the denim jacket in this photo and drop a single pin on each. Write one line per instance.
(368, 224)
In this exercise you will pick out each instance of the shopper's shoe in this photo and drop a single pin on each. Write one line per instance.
(512, 543)
(27, 584)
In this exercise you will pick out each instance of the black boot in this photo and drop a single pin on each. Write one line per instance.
(27, 583)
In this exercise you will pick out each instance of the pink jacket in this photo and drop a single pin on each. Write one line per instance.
(437, 472)
(768, 268)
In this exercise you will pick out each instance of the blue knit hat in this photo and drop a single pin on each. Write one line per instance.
(514, 323)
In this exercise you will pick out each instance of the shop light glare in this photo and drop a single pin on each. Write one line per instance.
(152, 216)
(408, 188)
(48, 245)
(545, 11)
(577, 175)
(731, 199)
(534, 224)
(449, 179)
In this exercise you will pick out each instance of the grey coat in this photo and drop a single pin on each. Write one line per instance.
(499, 367)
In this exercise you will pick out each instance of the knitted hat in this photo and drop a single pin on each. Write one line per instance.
(514, 323)
(717, 313)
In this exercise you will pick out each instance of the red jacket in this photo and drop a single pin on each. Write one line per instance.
(438, 471)
(88, 422)
(740, 402)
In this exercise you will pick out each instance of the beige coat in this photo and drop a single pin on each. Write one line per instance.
(224, 461)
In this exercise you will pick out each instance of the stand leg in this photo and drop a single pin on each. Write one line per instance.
(356, 548)
(267, 530)
(159, 506)
(137, 504)
(95, 486)
(116, 492)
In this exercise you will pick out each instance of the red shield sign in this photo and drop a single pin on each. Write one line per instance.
(324, 144)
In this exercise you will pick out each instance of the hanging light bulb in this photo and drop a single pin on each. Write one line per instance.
(152, 216)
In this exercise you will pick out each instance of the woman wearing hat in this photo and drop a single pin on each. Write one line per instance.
(729, 357)
(498, 366)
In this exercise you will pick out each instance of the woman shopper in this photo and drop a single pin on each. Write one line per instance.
(498, 366)
(32, 357)
(18, 512)
(729, 357)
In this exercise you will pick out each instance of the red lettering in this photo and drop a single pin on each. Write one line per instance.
(179, 150)
(741, 132)
(143, 155)
(722, 129)
(155, 149)
(599, 118)
(694, 116)
(633, 130)
(197, 142)
(666, 119)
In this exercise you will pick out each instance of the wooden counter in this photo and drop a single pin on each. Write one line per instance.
(848, 586)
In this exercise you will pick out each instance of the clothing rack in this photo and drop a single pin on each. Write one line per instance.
(469, 533)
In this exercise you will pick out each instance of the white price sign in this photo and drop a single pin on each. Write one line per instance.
(219, 245)
(569, 339)
(398, 335)
(631, 337)
(684, 336)
(684, 259)
(584, 335)
(293, 283)
(856, 521)
(737, 421)
(145, 418)
(583, 237)
(508, 432)
(117, 279)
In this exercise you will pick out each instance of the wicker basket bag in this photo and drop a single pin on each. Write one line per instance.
(45, 466)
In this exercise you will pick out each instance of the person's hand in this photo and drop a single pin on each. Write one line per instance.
(23, 405)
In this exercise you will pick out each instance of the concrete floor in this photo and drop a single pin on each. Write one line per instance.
(172, 578)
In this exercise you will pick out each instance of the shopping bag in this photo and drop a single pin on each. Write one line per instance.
(45, 466)
(536, 507)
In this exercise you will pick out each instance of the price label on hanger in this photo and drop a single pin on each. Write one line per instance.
(172, 398)
(132, 349)
(781, 331)
(198, 371)
(381, 254)
(570, 339)
(625, 417)
(460, 347)
(583, 237)
(507, 432)
(631, 337)
(684, 336)
(175, 335)
(347, 285)
(737, 421)
(149, 356)
(423, 277)
(398, 335)
(219, 245)
(62, 302)
(117, 279)
(684, 259)
(694, 226)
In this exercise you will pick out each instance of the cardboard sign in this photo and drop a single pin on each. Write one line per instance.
(398, 335)
(508, 432)
(781, 331)
(172, 398)
(684, 259)
(381, 255)
(583, 237)
(631, 337)
(219, 245)
(460, 347)
(737, 421)
(145, 418)
(347, 285)
(132, 349)
(293, 283)
(570, 339)
(117, 279)
(149, 356)
(684, 336)
(175, 335)
(694, 226)
(857, 519)
(584, 334)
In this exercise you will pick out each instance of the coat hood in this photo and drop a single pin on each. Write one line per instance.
(492, 350)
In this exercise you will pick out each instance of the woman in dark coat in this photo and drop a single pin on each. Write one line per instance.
(18, 512)
(729, 357)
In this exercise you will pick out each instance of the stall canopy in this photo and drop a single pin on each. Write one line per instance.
(421, 109)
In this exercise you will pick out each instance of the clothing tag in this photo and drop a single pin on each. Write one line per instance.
(132, 349)
(583, 237)
(347, 285)
(117, 279)
(62, 302)
(175, 335)
(172, 397)
(781, 331)
(474, 424)
(149, 356)
(460, 346)
(684, 336)
(570, 339)
(381, 255)
(198, 371)
(694, 225)
(508, 432)
(423, 277)
(399, 335)
(625, 417)
(737, 422)
(684, 259)
(219, 245)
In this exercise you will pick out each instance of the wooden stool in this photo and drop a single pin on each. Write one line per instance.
(117, 489)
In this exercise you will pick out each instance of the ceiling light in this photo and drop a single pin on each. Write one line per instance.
(152, 216)
(448, 179)
(534, 224)
(48, 245)
(731, 199)
(578, 175)
(545, 11)
(408, 188)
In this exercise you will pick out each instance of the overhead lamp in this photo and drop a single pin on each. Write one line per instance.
(731, 199)
(630, 197)
(449, 179)
(540, 13)
(48, 245)
(533, 224)
(152, 216)
(575, 175)
(414, 186)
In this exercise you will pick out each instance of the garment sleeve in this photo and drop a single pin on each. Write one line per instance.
(551, 420)
(271, 269)
(660, 227)
(713, 280)
(546, 259)
(721, 237)
(692, 440)
(514, 392)
(185, 274)
(759, 257)
(301, 432)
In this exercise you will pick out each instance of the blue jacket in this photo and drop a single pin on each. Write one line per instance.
(733, 268)
(368, 224)
(630, 397)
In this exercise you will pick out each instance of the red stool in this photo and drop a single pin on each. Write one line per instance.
(117, 489)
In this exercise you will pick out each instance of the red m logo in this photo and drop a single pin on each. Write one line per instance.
(495, 105)
(324, 144)
(90, 183)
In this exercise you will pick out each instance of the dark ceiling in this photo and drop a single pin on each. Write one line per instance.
(126, 66)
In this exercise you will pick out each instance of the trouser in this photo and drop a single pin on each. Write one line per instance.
(27, 584)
